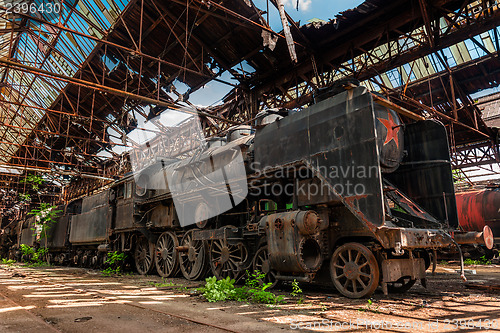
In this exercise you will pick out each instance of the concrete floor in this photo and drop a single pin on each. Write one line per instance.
(62, 299)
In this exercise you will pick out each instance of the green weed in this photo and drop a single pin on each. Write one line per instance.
(115, 263)
(33, 256)
(253, 290)
(480, 261)
(9, 262)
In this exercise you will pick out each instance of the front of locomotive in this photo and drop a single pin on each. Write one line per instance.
(420, 213)
(385, 200)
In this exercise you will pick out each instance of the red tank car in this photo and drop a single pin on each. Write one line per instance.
(477, 209)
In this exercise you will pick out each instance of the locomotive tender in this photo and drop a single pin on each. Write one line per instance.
(342, 186)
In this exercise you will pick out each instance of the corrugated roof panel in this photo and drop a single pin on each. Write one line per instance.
(34, 45)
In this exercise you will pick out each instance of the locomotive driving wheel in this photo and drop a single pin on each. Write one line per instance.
(354, 270)
(262, 265)
(143, 256)
(166, 257)
(226, 259)
(192, 257)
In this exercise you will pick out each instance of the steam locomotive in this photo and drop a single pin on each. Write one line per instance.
(342, 187)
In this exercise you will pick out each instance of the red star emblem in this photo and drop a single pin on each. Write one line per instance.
(392, 130)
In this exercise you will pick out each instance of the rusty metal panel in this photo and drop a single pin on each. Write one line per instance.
(90, 227)
(124, 214)
(163, 216)
(413, 238)
(336, 138)
(425, 173)
(394, 269)
(95, 200)
(27, 237)
(292, 241)
(57, 234)
(74, 207)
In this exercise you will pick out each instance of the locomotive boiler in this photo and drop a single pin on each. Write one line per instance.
(342, 186)
(480, 209)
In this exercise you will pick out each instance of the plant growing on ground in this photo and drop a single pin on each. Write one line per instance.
(480, 261)
(115, 263)
(369, 307)
(219, 290)
(253, 290)
(164, 283)
(33, 256)
(9, 262)
(296, 291)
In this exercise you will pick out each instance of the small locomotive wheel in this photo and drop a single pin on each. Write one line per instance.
(166, 256)
(143, 256)
(354, 270)
(261, 264)
(192, 261)
(226, 259)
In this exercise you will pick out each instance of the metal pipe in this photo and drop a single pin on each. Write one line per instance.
(462, 270)
(484, 238)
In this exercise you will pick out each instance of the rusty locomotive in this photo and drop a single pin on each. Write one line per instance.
(342, 187)
(480, 209)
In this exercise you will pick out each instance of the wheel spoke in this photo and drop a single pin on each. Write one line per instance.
(357, 257)
(346, 283)
(363, 265)
(342, 257)
(363, 285)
